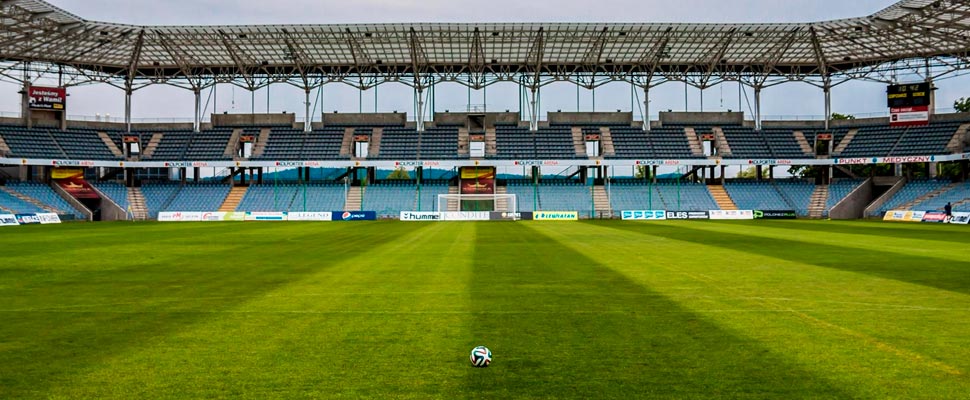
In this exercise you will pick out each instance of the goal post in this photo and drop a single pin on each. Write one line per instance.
(477, 202)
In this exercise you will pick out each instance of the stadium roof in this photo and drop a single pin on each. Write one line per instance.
(38, 32)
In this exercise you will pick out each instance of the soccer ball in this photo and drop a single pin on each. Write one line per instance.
(481, 356)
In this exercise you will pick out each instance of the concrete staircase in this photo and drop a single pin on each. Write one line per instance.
(800, 138)
(956, 145)
(347, 145)
(463, 142)
(845, 141)
(818, 201)
(374, 147)
(694, 142)
(722, 198)
(233, 143)
(355, 197)
(4, 150)
(32, 200)
(723, 148)
(453, 204)
(927, 196)
(491, 148)
(232, 200)
(579, 142)
(601, 202)
(152, 145)
(606, 142)
(110, 144)
(136, 201)
(501, 204)
(260, 146)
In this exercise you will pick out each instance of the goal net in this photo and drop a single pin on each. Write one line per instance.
(477, 202)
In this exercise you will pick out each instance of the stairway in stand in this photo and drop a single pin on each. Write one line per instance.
(818, 201)
(927, 196)
(31, 200)
(601, 202)
(722, 198)
(232, 200)
(355, 197)
(136, 202)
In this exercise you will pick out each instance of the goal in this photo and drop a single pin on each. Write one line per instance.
(477, 202)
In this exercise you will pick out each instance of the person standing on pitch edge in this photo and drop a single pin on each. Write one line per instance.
(948, 210)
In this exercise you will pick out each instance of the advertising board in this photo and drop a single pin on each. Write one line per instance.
(49, 218)
(775, 214)
(731, 214)
(28, 219)
(509, 216)
(687, 215)
(354, 215)
(8, 220)
(555, 216)
(643, 215)
(962, 218)
(309, 216)
(46, 98)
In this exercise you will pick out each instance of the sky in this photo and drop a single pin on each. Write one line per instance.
(162, 102)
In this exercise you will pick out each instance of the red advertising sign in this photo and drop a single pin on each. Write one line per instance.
(477, 180)
(46, 98)
(909, 116)
(824, 136)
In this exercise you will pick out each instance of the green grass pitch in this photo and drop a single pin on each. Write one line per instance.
(672, 310)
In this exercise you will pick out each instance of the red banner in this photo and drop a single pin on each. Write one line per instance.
(909, 116)
(74, 183)
(478, 180)
(46, 98)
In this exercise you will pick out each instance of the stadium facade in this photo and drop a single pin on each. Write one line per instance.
(78, 162)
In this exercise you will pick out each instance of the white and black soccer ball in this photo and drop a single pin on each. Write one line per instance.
(481, 356)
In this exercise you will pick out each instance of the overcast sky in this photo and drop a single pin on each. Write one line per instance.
(161, 101)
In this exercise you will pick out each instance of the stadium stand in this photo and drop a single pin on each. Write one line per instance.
(525, 194)
(838, 190)
(565, 196)
(158, 195)
(198, 197)
(662, 143)
(796, 192)
(389, 198)
(12, 204)
(957, 195)
(115, 191)
(290, 197)
(912, 191)
(429, 196)
(45, 195)
(755, 195)
(294, 144)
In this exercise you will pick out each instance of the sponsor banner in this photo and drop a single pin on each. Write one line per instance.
(78, 188)
(420, 216)
(27, 219)
(917, 216)
(934, 216)
(687, 215)
(404, 164)
(657, 162)
(897, 215)
(265, 216)
(478, 180)
(180, 216)
(535, 163)
(49, 218)
(310, 216)
(909, 116)
(555, 216)
(8, 220)
(509, 216)
(46, 98)
(65, 173)
(465, 216)
(962, 218)
(297, 164)
(445, 216)
(775, 214)
(731, 214)
(186, 164)
(74, 163)
(643, 215)
(354, 215)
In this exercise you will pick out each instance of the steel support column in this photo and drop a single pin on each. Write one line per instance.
(307, 127)
(757, 107)
(827, 89)
(128, 110)
(420, 108)
(533, 106)
(646, 108)
(197, 122)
